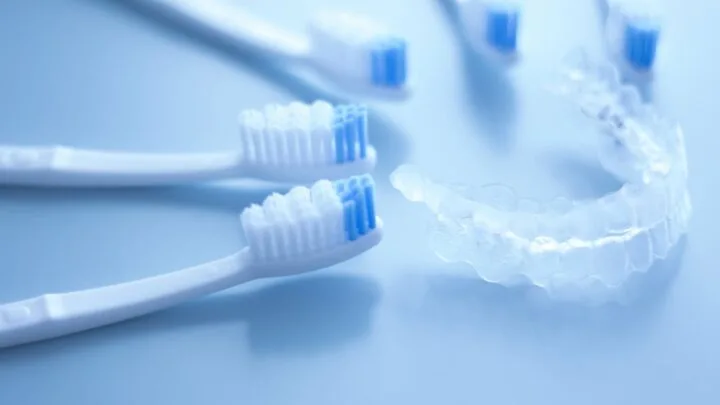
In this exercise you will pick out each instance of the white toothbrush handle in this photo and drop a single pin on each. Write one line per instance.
(230, 23)
(53, 315)
(61, 166)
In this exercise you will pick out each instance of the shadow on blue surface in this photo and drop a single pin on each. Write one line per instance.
(603, 10)
(489, 91)
(465, 302)
(206, 196)
(391, 143)
(300, 316)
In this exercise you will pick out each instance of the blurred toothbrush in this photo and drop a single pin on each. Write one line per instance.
(305, 230)
(297, 143)
(632, 33)
(491, 28)
(354, 53)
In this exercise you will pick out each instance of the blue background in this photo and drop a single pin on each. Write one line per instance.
(392, 326)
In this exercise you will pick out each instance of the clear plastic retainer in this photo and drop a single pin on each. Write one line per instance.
(575, 250)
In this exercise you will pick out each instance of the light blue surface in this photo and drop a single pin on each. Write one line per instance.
(394, 326)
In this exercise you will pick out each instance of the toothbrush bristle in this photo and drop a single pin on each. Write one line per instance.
(388, 61)
(359, 49)
(302, 135)
(640, 44)
(350, 133)
(501, 27)
(358, 198)
(308, 220)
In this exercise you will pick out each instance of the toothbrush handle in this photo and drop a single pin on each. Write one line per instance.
(53, 315)
(62, 166)
(232, 25)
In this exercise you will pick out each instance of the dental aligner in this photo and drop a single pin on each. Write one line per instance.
(584, 250)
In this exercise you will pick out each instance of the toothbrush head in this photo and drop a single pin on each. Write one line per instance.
(302, 143)
(360, 54)
(633, 34)
(312, 228)
(491, 28)
(641, 39)
(501, 26)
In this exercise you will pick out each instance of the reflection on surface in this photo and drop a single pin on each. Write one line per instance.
(489, 91)
(455, 299)
(300, 316)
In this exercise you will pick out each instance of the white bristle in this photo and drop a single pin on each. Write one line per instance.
(317, 141)
(303, 210)
(252, 124)
(254, 218)
(302, 221)
(312, 218)
(255, 123)
(302, 137)
(295, 204)
(273, 135)
(295, 154)
(343, 41)
(299, 113)
(272, 206)
(296, 135)
(281, 123)
(321, 111)
(326, 198)
(322, 115)
(246, 149)
(300, 194)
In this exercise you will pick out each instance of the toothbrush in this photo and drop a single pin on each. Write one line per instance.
(297, 143)
(632, 32)
(351, 51)
(304, 230)
(491, 28)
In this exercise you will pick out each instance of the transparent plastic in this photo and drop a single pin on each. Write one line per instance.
(575, 250)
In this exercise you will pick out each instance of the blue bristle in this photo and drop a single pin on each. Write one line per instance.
(501, 28)
(350, 228)
(339, 133)
(357, 195)
(352, 183)
(389, 62)
(362, 215)
(369, 192)
(361, 123)
(396, 62)
(401, 50)
(340, 187)
(350, 133)
(641, 40)
(377, 75)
